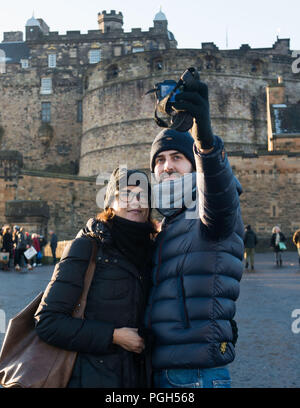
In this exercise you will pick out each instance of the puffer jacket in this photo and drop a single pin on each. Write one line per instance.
(117, 298)
(196, 273)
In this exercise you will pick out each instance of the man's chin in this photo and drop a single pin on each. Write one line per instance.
(171, 177)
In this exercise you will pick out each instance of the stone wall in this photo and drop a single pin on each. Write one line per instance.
(71, 200)
(54, 146)
(290, 143)
(118, 117)
(270, 196)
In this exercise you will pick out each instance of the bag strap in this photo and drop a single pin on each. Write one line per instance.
(80, 308)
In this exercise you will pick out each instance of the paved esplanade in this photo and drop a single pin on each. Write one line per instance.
(268, 352)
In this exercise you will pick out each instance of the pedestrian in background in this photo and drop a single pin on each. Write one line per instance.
(277, 243)
(53, 245)
(29, 262)
(296, 241)
(7, 246)
(43, 243)
(250, 242)
(1, 237)
(36, 246)
(20, 247)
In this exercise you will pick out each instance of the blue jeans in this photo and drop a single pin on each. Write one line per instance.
(217, 377)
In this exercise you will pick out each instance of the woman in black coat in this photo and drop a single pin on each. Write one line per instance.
(7, 245)
(111, 341)
(277, 238)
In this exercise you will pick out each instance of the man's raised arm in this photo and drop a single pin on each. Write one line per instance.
(217, 186)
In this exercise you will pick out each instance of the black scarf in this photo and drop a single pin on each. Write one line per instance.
(132, 239)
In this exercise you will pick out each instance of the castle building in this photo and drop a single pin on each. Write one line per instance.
(73, 107)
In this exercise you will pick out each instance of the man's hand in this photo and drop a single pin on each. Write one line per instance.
(129, 339)
(194, 100)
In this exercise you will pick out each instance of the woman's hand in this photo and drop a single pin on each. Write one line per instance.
(129, 339)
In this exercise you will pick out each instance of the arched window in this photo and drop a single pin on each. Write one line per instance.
(112, 72)
(157, 64)
(211, 62)
(256, 66)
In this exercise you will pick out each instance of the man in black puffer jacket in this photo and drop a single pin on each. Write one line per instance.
(199, 253)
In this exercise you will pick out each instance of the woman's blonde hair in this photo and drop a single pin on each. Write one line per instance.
(6, 228)
(274, 229)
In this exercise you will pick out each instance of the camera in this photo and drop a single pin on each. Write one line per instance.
(166, 88)
(165, 97)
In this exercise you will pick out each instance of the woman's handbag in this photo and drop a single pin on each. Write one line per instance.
(4, 257)
(39, 256)
(282, 246)
(28, 362)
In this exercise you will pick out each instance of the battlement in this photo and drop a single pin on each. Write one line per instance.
(90, 35)
(13, 36)
(111, 14)
(209, 46)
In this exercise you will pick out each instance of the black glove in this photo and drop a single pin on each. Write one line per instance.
(194, 99)
(234, 331)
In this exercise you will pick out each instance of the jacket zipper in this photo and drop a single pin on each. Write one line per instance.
(156, 277)
(182, 293)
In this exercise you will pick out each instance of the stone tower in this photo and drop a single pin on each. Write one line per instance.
(160, 21)
(36, 28)
(110, 21)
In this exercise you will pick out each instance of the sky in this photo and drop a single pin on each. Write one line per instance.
(228, 24)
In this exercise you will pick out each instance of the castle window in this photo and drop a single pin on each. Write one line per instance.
(211, 62)
(79, 111)
(256, 66)
(138, 49)
(24, 63)
(46, 112)
(157, 64)
(46, 86)
(52, 60)
(94, 56)
(117, 51)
